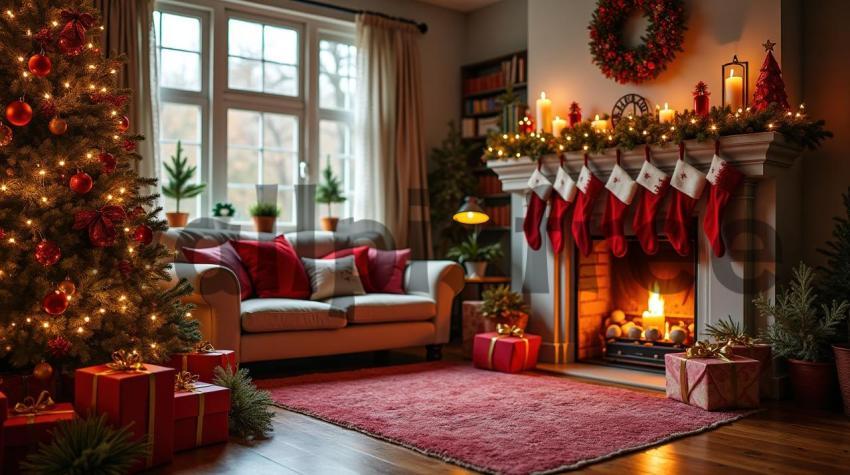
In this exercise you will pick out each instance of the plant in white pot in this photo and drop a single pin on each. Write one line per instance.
(329, 191)
(265, 216)
(180, 186)
(474, 256)
(224, 211)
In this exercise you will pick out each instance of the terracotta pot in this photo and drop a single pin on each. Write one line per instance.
(842, 364)
(329, 223)
(475, 269)
(265, 224)
(814, 384)
(177, 220)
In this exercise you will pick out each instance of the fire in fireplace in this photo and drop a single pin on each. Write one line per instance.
(635, 309)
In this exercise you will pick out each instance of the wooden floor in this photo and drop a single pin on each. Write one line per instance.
(781, 440)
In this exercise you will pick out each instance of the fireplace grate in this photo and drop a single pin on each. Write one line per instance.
(639, 352)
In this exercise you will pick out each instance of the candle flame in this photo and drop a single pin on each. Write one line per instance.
(731, 72)
(542, 95)
(597, 117)
(665, 106)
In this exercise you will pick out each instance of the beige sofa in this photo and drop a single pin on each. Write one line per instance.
(272, 329)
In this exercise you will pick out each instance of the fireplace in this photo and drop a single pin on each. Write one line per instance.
(635, 309)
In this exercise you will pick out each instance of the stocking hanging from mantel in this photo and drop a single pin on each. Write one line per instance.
(565, 192)
(589, 187)
(541, 188)
(688, 184)
(621, 191)
(723, 179)
(653, 187)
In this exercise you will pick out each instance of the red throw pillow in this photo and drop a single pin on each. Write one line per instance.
(380, 271)
(361, 261)
(224, 255)
(275, 268)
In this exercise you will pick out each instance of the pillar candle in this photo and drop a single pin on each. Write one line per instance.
(733, 88)
(558, 124)
(599, 125)
(666, 115)
(544, 113)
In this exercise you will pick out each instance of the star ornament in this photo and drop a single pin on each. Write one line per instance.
(768, 45)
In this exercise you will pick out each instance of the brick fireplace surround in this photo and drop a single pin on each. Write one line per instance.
(761, 226)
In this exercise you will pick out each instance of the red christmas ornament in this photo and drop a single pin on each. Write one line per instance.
(55, 302)
(2, 233)
(81, 183)
(67, 286)
(47, 253)
(137, 213)
(143, 235)
(526, 125)
(130, 145)
(123, 124)
(575, 114)
(701, 102)
(58, 347)
(72, 38)
(40, 65)
(107, 162)
(19, 113)
(6, 135)
(100, 224)
(57, 126)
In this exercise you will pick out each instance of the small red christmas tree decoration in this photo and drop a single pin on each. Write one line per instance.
(575, 114)
(526, 125)
(701, 104)
(770, 88)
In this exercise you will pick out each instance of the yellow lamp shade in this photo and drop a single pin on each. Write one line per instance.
(471, 212)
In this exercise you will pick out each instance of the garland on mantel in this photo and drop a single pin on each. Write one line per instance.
(631, 132)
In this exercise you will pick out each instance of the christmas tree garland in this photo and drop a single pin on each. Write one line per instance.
(647, 130)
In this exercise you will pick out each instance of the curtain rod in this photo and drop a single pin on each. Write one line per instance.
(423, 27)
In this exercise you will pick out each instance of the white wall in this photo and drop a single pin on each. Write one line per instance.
(495, 30)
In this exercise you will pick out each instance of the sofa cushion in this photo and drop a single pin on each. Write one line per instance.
(376, 308)
(277, 315)
(275, 269)
(361, 260)
(333, 277)
(223, 255)
(384, 269)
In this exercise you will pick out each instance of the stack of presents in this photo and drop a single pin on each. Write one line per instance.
(174, 407)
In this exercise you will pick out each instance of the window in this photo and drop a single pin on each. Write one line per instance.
(262, 58)
(178, 51)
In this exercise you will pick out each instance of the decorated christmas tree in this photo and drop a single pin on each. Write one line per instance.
(770, 88)
(80, 275)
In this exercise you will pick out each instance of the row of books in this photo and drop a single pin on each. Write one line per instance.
(511, 116)
(499, 215)
(484, 105)
(471, 127)
(489, 185)
(510, 71)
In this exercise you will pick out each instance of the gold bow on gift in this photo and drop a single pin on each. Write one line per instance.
(704, 349)
(509, 330)
(185, 381)
(30, 405)
(123, 361)
(742, 340)
(204, 347)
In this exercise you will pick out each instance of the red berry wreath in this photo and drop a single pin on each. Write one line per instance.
(662, 40)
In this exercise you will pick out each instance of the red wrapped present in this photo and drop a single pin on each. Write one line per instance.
(200, 413)
(4, 405)
(760, 352)
(709, 377)
(203, 360)
(130, 392)
(29, 423)
(508, 350)
(17, 386)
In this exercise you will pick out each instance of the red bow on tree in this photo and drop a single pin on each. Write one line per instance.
(72, 38)
(101, 224)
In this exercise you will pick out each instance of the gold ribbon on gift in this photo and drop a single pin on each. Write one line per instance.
(185, 381)
(123, 361)
(199, 431)
(203, 347)
(503, 331)
(31, 405)
(509, 330)
(704, 349)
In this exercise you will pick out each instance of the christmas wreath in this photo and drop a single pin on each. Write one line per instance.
(663, 38)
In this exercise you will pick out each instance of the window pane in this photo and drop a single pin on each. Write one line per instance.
(243, 128)
(286, 203)
(336, 75)
(332, 138)
(245, 39)
(335, 149)
(181, 32)
(242, 165)
(242, 198)
(245, 74)
(279, 168)
(280, 132)
(281, 45)
(281, 79)
(181, 122)
(180, 70)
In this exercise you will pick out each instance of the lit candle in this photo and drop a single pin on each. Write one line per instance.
(666, 115)
(599, 125)
(733, 88)
(558, 124)
(544, 113)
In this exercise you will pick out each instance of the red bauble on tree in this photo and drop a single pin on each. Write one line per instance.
(107, 162)
(47, 253)
(40, 65)
(81, 183)
(67, 286)
(123, 124)
(72, 38)
(6, 135)
(143, 235)
(19, 113)
(57, 126)
(55, 303)
(770, 88)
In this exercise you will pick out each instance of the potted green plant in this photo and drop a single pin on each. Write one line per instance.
(801, 332)
(180, 186)
(224, 211)
(474, 256)
(329, 191)
(265, 216)
(502, 305)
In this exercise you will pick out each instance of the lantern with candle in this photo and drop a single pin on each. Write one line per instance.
(735, 76)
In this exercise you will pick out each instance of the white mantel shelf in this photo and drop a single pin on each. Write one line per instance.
(756, 155)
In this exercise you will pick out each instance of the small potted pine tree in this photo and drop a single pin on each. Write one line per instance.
(329, 191)
(265, 216)
(180, 186)
(474, 256)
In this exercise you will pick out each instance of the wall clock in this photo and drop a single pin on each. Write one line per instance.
(630, 104)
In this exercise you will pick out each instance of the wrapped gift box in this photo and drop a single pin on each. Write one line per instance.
(16, 387)
(23, 432)
(472, 324)
(4, 405)
(713, 383)
(143, 397)
(200, 416)
(761, 353)
(203, 363)
(505, 353)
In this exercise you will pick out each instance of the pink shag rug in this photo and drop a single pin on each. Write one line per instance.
(493, 422)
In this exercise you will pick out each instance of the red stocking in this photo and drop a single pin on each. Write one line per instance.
(541, 188)
(688, 184)
(565, 193)
(589, 188)
(622, 190)
(724, 179)
(653, 186)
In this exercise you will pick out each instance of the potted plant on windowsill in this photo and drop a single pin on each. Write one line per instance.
(502, 305)
(801, 332)
(224, 211)
(329, 191)
(474, 256)
(180, 186)
(265, 217)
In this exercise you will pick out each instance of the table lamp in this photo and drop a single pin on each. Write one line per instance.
(471, 212)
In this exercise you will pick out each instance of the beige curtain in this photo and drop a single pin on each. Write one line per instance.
(129, 30)
(391, 185)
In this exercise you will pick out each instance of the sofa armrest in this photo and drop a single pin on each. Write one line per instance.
(441, 281)
(217, 302)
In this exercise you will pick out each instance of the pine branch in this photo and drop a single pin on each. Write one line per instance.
(250, 414)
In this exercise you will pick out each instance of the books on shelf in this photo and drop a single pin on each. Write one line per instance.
(489, 185)
(510, 71)
(500, 216)
(468, 128)
(489, 124)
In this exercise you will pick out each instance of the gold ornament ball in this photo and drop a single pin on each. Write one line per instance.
(58, 126)
(43, 371)
(68, 287)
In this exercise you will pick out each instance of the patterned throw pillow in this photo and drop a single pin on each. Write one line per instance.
(223, 255)
(333, 277)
